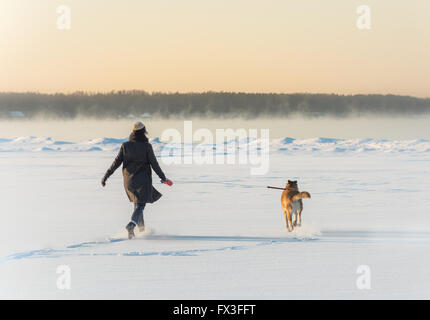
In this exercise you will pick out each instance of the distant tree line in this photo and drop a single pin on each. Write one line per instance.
(122, 104)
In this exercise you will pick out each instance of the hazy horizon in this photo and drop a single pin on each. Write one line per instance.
(126, 104)
(391, 128)
(103, 92)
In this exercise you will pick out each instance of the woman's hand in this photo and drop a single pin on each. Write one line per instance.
(168, 182)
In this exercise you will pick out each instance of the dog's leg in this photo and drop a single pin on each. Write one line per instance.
(289, 220)
(286, 219)
(299, 213)
(295, 218)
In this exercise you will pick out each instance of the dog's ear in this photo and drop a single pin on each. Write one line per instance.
(295, 181)
(289, 181)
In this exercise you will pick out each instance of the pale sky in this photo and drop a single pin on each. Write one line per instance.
(220, 45)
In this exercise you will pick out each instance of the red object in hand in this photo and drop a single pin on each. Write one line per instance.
(168, 182)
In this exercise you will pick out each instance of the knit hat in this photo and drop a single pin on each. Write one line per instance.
(138, 126)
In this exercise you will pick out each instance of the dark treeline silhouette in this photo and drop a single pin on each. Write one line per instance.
(120, 104)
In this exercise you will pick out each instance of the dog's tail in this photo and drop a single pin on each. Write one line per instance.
(302, 195)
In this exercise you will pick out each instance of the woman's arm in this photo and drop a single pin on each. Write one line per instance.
(116, 163)
(154, 163)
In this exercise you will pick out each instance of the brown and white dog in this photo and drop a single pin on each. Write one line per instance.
(291, 201)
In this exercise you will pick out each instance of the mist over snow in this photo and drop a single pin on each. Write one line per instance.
(136, 103)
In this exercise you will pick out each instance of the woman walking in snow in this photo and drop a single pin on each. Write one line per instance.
(137, 157)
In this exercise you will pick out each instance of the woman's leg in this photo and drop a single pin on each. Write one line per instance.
(137, 217)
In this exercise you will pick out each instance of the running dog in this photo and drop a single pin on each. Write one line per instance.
(291, 202)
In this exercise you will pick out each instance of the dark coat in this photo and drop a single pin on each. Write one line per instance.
(137, 157)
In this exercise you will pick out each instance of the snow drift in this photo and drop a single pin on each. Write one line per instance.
(282, 145)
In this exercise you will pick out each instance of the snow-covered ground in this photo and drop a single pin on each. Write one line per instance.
(218, 232)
